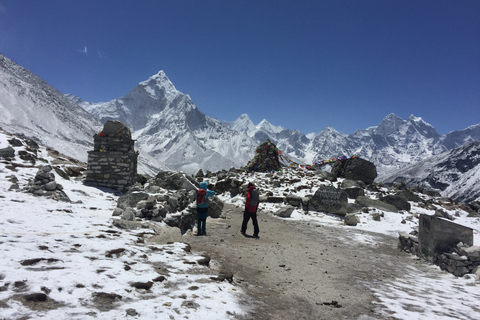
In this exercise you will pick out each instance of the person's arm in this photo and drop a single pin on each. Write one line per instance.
(210, 193)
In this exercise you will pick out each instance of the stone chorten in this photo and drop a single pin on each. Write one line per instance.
(265, 159)
(113, 161)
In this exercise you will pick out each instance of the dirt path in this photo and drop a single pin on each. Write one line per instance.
(297, 269)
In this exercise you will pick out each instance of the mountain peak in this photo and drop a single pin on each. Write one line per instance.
(389, 125)
(159, 85)
(242, 124)
(267, 126)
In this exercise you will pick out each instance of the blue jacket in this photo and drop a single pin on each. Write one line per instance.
(210, 193)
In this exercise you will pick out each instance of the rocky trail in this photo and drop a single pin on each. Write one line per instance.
(300, 270)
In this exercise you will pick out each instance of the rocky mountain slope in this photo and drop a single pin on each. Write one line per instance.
(454, 173)
(31, 107)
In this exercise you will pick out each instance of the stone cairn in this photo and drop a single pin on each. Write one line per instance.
(44, 184)
(266, 158)
(113, 162)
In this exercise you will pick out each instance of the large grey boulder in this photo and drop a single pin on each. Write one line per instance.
(293, 200)
(215, 207)
(372, 203)
(184, 221)
(131, 198)
(351, 219)
(354, 193)
(284, 212)
(409, 196)
(174, 181)
(356, 169)
(129, 214)
(397, 201)
(7, 152)
(325, 174)
(329, 199)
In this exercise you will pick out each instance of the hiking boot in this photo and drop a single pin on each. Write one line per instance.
(256, 236)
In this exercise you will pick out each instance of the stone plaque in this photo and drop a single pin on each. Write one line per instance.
(330, 200)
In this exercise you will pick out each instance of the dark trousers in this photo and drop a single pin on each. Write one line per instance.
(246, 217)
(202, 214)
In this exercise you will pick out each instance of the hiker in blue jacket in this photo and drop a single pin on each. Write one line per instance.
(201, 197)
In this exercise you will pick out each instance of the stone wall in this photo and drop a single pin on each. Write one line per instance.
(463, 259)
(445, 244)
(113, 162)
(438, 235)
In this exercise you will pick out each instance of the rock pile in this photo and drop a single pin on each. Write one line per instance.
(44, 184)
(265, 159)
(463, 260)
(169, 197)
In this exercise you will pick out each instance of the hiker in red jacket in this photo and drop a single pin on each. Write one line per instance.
(251, 206)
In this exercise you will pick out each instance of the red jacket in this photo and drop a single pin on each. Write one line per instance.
(247, 203)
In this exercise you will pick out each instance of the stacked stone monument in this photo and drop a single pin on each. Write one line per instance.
(265, 159)
(113, 162)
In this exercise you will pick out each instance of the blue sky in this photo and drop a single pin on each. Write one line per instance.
(303, 65)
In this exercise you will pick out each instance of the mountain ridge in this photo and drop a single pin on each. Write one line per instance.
(391, 145)
(171, 130)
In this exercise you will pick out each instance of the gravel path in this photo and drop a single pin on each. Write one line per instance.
(300, 270)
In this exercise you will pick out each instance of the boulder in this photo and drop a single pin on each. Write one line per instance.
(397, 201)
(351, 219)
(174, 181)
(347, 183)
(131, 198)
(325, 174)
(284, 212)
(293, 200)
(184, 221)
(367, 202)
(7, 152)
(128, 214)
(329, 199)
(356, 169)
(15, 142)
(409, 196)
(354, 193)
(215, 207)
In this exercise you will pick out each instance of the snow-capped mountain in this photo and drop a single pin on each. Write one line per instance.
(31, 107)
(168, 125)
(169, 128)
(393, 144)
(454, 173)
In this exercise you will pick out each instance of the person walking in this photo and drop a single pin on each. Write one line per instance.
(251, 206)
(202, 196)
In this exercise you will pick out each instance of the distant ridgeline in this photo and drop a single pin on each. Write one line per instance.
(269, 159)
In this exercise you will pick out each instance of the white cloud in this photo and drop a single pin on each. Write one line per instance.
(84, 50)
(101, 54)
